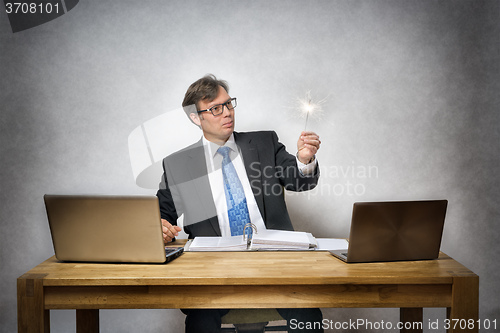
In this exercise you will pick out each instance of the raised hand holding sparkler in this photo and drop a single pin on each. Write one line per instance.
(307, 146)
(308, 143)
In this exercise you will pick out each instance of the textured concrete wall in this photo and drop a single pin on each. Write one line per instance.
(411, 112)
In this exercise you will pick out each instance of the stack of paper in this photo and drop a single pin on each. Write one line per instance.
(283, 240)
(234, 243)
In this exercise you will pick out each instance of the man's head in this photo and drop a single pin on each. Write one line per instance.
(205, 88)
(203, 95)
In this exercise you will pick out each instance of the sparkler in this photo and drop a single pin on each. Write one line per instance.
(307, 106)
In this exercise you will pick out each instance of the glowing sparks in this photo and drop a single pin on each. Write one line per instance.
(307, 107)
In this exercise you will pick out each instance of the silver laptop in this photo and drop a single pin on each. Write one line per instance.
(394, 231)
(100, 228)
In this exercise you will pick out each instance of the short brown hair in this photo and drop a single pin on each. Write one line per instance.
(203, 89)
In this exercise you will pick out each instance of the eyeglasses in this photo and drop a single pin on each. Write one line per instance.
(219, 108)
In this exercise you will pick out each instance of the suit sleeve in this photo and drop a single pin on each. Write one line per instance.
(288, 172)
(168, 210)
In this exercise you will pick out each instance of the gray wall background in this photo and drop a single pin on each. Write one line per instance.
(412, 94)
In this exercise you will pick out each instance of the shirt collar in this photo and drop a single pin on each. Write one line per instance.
(212, 147)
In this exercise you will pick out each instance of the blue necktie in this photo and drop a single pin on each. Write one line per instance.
(237, 209)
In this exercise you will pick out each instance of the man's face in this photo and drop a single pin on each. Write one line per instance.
(219, 128)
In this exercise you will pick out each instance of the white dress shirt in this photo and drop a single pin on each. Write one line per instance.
(214, 163)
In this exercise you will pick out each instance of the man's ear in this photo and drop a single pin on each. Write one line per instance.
(195, 118)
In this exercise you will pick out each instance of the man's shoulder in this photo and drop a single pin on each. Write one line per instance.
(256, 135)
(185, 152)
(186, 164)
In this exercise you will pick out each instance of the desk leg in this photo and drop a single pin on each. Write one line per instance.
(464, 311)
(87, 321)
(413, 316)
(31, 313)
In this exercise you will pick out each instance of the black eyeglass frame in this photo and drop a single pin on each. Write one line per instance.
(229, 104)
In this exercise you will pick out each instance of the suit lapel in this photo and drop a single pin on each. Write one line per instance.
(253, 168)
(197, 169)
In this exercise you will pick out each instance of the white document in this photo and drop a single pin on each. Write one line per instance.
(328, 244)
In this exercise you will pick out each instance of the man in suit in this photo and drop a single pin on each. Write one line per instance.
(228, 179)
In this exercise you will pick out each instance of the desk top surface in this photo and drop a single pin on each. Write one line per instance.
(249, 268)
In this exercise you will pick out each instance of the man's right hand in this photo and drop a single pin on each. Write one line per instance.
(169, 231)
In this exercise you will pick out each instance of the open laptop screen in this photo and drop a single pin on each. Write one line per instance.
(97, 228)
(397, 230)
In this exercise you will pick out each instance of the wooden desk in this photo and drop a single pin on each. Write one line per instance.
(245, 280)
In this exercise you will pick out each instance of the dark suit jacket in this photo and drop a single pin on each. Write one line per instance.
(185, 188)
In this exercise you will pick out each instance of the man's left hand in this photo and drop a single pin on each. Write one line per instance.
(307, 146)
